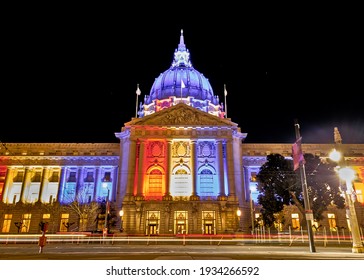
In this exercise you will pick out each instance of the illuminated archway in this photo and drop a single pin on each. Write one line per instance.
(155, 183)
(181, 181)
(207, 183)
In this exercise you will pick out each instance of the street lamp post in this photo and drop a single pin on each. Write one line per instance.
(238, 213)
(306, 199)
(121, 214)
(347, 175)
(252, 213)
(106, 212)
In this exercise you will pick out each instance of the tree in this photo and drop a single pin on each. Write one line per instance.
(323, 185)
(279, 185)
(85, 209)
(86, 212)
(276, 182)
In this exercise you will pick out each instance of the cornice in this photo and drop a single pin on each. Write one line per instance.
(181, 115)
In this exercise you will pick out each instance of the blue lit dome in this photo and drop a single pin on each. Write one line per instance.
(181, 83)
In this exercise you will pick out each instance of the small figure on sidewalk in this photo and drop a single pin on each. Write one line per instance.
(42, 242)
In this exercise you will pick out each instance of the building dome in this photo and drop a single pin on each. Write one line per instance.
(181, 83)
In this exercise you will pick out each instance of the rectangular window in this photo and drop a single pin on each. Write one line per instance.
(206, 185)
(72, 177)
(107, 177)
(37, 176)
(55, 177)
(64, 222)
(26, 222)
(7, 223)
(19, 177)
(155, 185)
(295, 221)
(46, 217)
(90, 177)
(332, 221)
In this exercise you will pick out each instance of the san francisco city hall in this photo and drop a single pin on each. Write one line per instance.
(181, 167)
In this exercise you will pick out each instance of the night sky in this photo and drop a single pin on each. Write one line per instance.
(73, 78)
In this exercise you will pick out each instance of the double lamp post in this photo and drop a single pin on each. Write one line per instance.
(347, 175)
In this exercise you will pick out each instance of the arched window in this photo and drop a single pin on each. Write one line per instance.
(155, 184)
(206, 183)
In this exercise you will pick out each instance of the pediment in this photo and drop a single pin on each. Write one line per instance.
(181, 114)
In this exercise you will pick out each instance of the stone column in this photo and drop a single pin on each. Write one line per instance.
(129, 172)
(9, 174)
(230, 169)
(220, 169)
(97, 183)
(25, 185)
(167, 195)
(62, 180)
(79, 186)
(43, 183)
(140, 189)
(114, 186)
(194, 167)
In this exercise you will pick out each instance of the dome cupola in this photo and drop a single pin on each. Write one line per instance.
(181, 83)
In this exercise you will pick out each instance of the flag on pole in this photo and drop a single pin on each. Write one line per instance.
(138, 92)
(225, 93)
(297, 154)
(182, 84)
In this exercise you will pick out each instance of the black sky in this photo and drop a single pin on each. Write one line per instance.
(72, 77)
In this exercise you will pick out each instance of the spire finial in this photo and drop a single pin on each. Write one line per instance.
(138, 92)
(181, 54)
(181, 42)
(337, 136)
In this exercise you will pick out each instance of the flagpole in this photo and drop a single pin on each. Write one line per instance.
(225, 94)
(306, 199)
(138, 92)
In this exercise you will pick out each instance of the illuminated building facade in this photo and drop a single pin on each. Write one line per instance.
(181, 167)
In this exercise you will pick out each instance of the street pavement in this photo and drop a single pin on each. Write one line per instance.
(113, 251)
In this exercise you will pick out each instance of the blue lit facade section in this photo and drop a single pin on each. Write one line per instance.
(86, 184)
(68, 188)
(208, 176)
(207, 185)
(253, 183)
(106, 184)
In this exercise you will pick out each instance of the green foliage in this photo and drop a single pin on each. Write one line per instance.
(323, 185)
(279, 185)
(275, 181)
